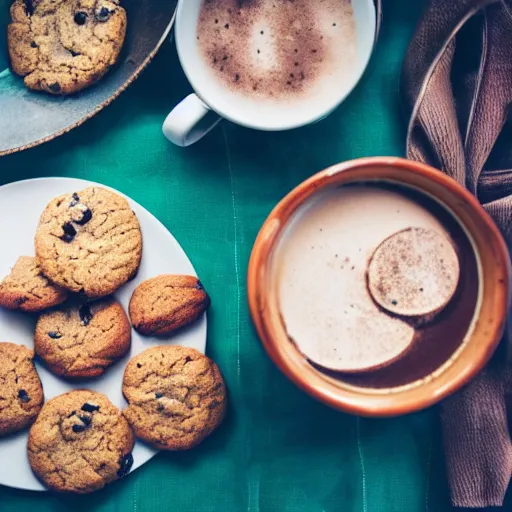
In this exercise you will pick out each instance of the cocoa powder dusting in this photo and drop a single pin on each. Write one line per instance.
(272, 48)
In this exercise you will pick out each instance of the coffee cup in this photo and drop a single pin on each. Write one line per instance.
(268, 70)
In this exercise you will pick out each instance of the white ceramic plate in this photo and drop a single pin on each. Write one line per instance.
(21, 204)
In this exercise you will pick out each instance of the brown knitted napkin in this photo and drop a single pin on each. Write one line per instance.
(457, 91)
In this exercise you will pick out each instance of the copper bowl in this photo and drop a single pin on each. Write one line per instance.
(466, 360)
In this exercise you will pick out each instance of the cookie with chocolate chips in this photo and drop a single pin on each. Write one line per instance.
(83, 340)
(80, 442)
(63, 46)
(89, 241)
(21, 393)
(27, 289)
(176, 397)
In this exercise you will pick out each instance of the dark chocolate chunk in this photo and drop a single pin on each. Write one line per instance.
(125, 464)
(87, 407)
(54, 335)
(29, 7)
(86, 420)
(72, 414)
(158, 395)
(85, 314)
(69, 232)
(79, 427)
(86, 213)
(33, 44)
(23, 396)
(80, 18)
(103, 14)
(55, 87)
(86, 217)
(20, 300)
(75, 200)
(199, 285)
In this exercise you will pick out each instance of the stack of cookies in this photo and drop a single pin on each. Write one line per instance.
(88, 244)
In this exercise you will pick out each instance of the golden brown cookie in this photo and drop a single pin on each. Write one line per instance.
(89, 241)
(21, 393)
(165, 303)
(63, 46)
(176, 397)
(80, 442)
(27, 289)
(83, 340)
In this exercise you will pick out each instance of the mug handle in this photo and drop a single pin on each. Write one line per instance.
(189, 121)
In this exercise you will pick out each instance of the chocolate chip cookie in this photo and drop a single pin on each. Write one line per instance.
(176, 397)
(165, 303)
(89, 241)
(63, 46)
(80, 442)
(27, 289)
(21, 393)
(83, 340)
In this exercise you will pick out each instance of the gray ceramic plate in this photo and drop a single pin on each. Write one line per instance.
(29, 118)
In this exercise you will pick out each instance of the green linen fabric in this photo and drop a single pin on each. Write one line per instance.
(279, 450)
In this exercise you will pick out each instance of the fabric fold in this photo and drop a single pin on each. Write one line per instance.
(456, 89)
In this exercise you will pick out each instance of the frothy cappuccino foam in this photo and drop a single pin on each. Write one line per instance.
(279, 49)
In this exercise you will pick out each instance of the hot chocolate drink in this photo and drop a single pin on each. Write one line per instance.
(321, 270)
(279, 49)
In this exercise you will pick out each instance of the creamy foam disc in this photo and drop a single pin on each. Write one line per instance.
(279, 49)
(414, 273)
(320, 269)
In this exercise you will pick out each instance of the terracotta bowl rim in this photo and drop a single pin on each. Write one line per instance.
(357, 400)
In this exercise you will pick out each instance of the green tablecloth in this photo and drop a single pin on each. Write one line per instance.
(279, 450)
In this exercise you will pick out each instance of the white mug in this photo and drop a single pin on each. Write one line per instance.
(197, 114)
